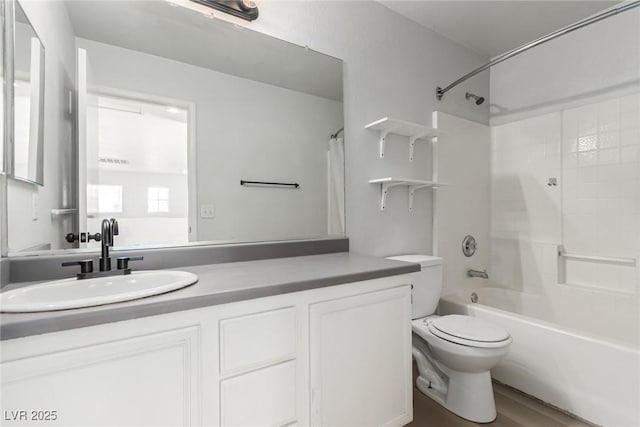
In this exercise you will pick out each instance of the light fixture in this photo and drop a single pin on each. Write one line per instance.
(245, 9)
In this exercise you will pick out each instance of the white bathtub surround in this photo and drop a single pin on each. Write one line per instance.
(593, 377)
(579, 124)
(463, 206)
(524, 209)
(593, 213)
(601, 191)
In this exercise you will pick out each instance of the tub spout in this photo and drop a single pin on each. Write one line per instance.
(475, 273)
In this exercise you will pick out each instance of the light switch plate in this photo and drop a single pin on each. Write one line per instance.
(207, 211)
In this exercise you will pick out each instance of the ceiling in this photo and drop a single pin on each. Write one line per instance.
(494, 27)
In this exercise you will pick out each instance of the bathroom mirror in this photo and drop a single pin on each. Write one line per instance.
(28, 102)
(171, 111)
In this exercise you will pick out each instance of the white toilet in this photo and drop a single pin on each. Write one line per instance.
(454, 353)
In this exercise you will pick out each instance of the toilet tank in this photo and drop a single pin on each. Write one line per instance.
(426, 285)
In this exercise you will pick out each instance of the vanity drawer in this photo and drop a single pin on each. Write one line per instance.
(251, 341)
(266, 397)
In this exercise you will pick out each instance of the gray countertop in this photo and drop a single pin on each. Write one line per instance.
(217, 284)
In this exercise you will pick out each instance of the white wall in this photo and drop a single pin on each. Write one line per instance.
(244, 130)
(463, 205)
(593, 60)
(52, 24)
(392, 67)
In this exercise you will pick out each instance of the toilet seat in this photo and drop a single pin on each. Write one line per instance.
(468, 331)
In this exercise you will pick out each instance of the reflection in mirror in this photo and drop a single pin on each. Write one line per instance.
(169, 122)
(137, 169)
(28, 100)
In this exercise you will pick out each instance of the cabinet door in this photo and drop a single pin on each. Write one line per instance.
(360, 360)
(266, 397)
(146, 380)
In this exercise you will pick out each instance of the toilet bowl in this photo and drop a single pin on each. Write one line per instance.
(454, 353)
(454, 364)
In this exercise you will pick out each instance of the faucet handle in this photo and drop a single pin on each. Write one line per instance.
(114, 227)
(86, 265)
(123, 262)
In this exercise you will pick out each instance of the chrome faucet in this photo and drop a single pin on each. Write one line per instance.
(108, 230)
(475, 273)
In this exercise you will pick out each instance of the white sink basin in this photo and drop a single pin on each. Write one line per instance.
(73, 293)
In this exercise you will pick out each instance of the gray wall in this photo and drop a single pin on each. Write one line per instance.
(392, 68)
(51, 22)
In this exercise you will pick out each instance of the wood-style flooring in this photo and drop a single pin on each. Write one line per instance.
(515, 409)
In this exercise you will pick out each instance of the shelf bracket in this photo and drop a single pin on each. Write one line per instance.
(412, 146)
(412, 190)
(384, 190)
(383, 138)
(412, 142)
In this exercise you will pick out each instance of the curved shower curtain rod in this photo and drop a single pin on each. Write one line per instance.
(513, 52)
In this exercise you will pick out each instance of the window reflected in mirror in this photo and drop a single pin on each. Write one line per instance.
(136, 158)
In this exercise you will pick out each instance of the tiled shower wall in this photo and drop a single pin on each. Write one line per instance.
(525, 211)
(601, 190)
(593, 151)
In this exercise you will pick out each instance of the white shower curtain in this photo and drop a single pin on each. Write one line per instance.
(335, 166)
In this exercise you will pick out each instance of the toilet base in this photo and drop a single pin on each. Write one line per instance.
(468, 395)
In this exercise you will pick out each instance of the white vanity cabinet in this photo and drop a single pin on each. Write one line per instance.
(259, 367)
(338, 356)
(360, 360)
(138, 372)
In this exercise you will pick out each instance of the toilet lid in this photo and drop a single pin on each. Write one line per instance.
(467, 330)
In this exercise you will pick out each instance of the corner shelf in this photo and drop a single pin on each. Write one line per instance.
(414, 131)
(412, 184)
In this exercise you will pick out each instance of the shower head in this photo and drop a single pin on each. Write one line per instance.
(479, 99)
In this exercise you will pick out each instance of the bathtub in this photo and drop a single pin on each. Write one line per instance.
(551, 358)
